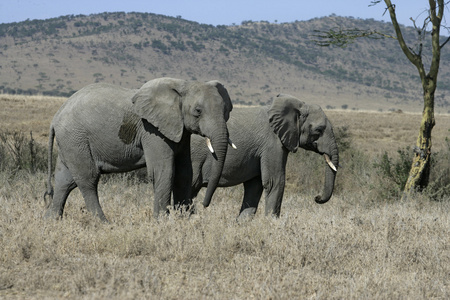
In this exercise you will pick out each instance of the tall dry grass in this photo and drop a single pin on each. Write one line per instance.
(362, 244)
(348, 248)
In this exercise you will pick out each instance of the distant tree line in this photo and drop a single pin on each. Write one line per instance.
(18, 91)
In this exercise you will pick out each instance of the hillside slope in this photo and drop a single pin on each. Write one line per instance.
(255, 61)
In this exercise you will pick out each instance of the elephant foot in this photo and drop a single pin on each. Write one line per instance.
(186, 209)
(161, 213)
(246, 215)
(101, 217)
(105, 220)
(51, 214)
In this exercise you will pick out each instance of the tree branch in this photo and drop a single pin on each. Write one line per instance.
(415, 59)
(436, 18)
(421, 32)
(446, 41)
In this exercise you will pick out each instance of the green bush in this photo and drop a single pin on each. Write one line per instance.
(393, 173)
(439, 185)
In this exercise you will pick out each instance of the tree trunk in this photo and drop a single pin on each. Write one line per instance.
(420, 168)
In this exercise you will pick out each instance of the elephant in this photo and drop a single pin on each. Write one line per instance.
(104, 128)
(264, 136)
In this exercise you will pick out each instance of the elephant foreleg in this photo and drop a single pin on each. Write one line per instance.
(160, 161)
(253, 189)
(163, 179)
(273, 173)
(274, 196)
(182, 184)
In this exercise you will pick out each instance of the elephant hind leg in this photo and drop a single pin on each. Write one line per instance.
(89, 191)
(253, 189)
(86, 177)
(64, 184)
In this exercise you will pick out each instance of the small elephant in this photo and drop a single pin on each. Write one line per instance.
(108, 129)
(264, 137)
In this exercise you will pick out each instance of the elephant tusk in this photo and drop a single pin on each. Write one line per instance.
(210, 147)
(327, 159)
(232, 144)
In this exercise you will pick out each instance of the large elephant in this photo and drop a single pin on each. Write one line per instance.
(264, 137)
(105, 129)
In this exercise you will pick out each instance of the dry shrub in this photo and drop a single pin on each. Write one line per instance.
(19, 151)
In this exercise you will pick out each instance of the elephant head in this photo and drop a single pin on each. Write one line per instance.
(175, 105)
(298, 124)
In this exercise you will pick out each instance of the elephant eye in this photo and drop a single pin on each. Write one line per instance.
(316, 133)
(197, 111)
(319, 130)
(314, 137)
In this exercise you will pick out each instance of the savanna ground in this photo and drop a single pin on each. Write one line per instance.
(364, 243)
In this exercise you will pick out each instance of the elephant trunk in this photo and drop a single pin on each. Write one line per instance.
(330, 175)
(219, 143)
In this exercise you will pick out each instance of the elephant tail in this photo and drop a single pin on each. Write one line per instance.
(49, 191)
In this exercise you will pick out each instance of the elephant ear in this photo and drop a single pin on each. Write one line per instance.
(224, 94)
(285, 116)
(158, 102)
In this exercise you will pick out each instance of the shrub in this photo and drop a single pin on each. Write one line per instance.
(159, 45)
(439, 185)
(393, 172)
(19, 152)
(343, 138)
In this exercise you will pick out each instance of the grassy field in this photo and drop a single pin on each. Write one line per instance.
(363, 244)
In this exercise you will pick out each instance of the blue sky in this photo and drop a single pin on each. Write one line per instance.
(214, 12)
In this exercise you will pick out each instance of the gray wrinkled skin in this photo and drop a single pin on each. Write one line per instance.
(264, 137)
(107, 129)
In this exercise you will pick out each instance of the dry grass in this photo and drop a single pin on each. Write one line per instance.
(349, 248)
(377, 132)
(356, 246)
(29, 113)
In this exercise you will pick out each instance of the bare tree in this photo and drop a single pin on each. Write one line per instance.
(420, 169)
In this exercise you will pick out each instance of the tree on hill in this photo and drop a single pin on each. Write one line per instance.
(420, 169)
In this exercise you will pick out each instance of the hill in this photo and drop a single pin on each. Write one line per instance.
(255, 60)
